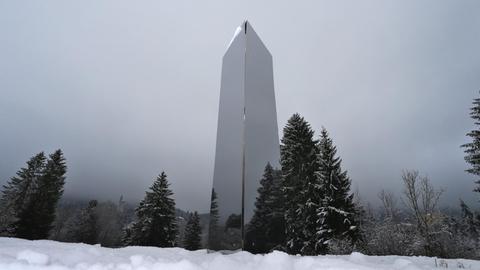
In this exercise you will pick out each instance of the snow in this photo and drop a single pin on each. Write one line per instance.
(32, 257)
(237, 31)
(19, 254)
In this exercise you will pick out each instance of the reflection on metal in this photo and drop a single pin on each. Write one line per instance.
(247, 137)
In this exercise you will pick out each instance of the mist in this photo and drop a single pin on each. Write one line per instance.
(130, 90)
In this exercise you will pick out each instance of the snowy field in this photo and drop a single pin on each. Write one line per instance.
(18, 254)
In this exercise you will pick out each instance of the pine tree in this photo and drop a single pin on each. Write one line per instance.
(471, 223)
(472, 149)
(299, 163)
(51, 188)
(8, 208)
(84, 228)
(276, 202)
(337, 212)
(18, 194)
(156, 224)
(213, 241)
(192, 237)
(266, 230)
(127, 237)
(39, 214)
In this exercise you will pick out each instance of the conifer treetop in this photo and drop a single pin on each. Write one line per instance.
(472, 149)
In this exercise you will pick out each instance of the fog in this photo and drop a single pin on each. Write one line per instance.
(128, 90)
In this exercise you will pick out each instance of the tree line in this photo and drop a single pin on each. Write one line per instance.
(305, 207)
(29, 209)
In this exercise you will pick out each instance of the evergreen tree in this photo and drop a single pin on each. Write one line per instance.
(8, 208)
(266, 230)
(299, 163)
(213, 241)
(35, 221)
(472, 149)
(192, 237)
(127, 237)
(156, 224)
(337, 212)
(470, 221)
(85, 226)
(18, 194)
(469, 240)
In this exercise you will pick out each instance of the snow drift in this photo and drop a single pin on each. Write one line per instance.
(18, 254)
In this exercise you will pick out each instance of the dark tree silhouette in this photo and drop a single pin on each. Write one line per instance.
(266, 230)
(193, 231)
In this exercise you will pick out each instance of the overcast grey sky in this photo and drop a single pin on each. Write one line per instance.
(130, 88)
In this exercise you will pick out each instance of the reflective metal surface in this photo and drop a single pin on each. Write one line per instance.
(247, 137)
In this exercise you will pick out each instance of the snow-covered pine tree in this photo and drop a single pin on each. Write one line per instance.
(35, 221)
(266, 230)
(18, 193)
(472, 149)
(337, 214)
(192, 237)
(299, 163)
(156, 224)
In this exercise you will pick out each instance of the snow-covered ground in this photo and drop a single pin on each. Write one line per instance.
(16, 254)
